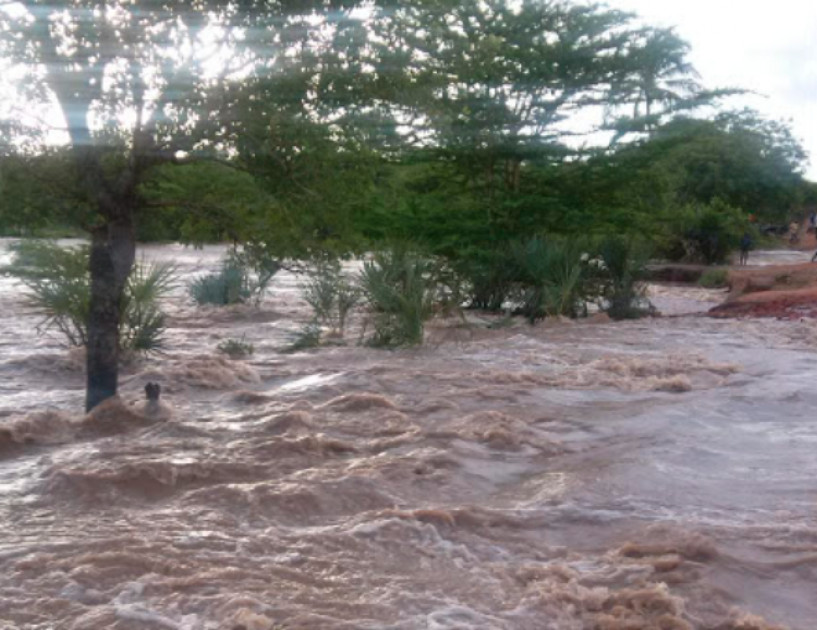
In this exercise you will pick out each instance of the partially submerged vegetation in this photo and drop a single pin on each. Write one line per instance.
(402, 288)
(236, 348)
(59, 282)
(348, 147)
(331, 295)
(240, 280)
(399, 289)
(716, 278)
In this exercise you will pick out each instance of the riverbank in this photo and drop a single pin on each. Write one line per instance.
(780, 291)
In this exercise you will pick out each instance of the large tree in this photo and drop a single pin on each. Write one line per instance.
(492, 91)
(491, 83)
(140, 84)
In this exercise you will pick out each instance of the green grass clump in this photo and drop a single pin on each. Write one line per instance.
(236, 348)
(238, 281)
(308, 338)
(714, 279)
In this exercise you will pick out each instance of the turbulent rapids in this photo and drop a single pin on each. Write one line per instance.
(652, 475)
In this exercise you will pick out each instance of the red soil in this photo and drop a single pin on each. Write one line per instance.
(780, 291)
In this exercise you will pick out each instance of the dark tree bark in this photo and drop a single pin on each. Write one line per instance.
(113, 249)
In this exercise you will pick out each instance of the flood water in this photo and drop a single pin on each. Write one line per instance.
(650, 475)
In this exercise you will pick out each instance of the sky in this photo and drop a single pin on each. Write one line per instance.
(768, 47)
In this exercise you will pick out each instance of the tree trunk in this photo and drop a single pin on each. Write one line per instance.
(113, 249)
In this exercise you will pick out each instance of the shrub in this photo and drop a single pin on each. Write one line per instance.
(143, 322)
(451, 289)
(331, 296)
(60, 284)
(714, 279)
(307, 338)
(59, 281)
(399, 288)
(236, 348)
(704, 233)
(489, 276)
(240, 280)
(621, 276)
(551, 278)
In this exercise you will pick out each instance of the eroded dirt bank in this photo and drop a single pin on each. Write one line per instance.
(782, 291)
(655, 475)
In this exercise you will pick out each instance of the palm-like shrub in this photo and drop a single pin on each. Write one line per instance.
(60, 288)
(143, 322)
(621, 271)
(551, 278)
(399, 288)
(229, 285)
(60, 284)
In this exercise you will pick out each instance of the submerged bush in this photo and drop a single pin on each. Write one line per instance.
(331, 296)
(551, 278)
(240, 280)
(714, 279)
(59, 280)
(621, 274)
(399, 288)
(236, 348)
(307, 338)
(490, 276)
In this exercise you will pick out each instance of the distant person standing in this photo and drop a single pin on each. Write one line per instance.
(745, 246)
(812, 221)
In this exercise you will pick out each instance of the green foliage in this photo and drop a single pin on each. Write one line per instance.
(551, 278)
(202, 202)
(704, 233)
(308, 338)
(331, 295)
(143, 323)
(236, 348)
(621, 271)
(59, 281)
(39, 195)
(714, 278)
(241, 279)
(399, 288)
(491, 275)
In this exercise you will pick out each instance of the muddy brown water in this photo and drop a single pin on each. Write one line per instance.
(656, 475)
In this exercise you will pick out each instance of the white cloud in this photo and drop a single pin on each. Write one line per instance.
(766, 47)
